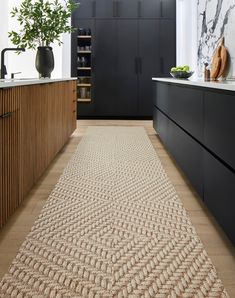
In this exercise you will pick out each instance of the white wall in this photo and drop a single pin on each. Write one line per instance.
(186, 33)
(25, 62)
(4, 23)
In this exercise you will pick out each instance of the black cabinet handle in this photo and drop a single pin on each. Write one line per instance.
(161, 9)
(136, 65)
(140, 64)
(93, 9)
(162, 65)
(6, 115)
(139, 8)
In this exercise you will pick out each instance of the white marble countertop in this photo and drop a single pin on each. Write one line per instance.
(6, 83)
(224, 85)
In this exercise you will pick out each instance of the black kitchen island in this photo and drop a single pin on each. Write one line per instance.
(196, 122)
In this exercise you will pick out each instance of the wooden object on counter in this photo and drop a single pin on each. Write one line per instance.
(216, 63)
(35, 123)
(206, 73)
(219, 61)
(224, 59)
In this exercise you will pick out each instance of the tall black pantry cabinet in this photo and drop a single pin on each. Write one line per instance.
(132, 41)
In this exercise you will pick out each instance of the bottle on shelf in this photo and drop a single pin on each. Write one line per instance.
(84, 65)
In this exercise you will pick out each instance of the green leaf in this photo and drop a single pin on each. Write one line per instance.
(41, 22)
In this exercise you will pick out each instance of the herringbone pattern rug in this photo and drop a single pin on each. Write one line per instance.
(113, 227)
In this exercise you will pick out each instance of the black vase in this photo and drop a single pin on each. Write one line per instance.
(44, 61)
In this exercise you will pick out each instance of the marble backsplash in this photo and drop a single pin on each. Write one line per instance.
(216, 18)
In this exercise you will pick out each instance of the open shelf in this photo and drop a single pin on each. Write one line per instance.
(84, 68)
(84, 52)
(83, 85)
(84, 36)
(87, 100)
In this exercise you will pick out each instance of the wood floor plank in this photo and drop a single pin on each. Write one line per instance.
(215, 241)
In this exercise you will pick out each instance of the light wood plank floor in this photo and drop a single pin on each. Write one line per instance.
(216, 243)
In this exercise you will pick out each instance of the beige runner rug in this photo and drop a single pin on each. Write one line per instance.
(113, 227)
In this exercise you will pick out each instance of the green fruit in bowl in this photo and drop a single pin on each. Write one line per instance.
(184, 68)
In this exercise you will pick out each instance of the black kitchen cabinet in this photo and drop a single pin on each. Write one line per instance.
(161, 124)
(105, 67)
(105, 9)
(127, 9)
(161, 99)
(219, 190)
(157, 8)
(167, 56)
(115, 68)
(128, 49)
(148, 63)
(197, 128)
(182, 105)
(186, 151)
(86, 10)
(220, 125)
(168, 8)
(188, 154)
(150, 9)
(126, 76)
(186, 108)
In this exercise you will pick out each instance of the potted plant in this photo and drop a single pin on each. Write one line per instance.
(42, 23)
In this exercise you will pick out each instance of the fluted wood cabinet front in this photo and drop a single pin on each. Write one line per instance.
(36, 121)
(9, 151)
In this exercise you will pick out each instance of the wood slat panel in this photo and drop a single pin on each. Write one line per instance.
(43, 117)
(9, 155)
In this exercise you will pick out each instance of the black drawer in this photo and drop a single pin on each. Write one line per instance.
(186, 109)
(162, 96)
(188, 154)
(220, 125)
(161, 125)
(219, 193)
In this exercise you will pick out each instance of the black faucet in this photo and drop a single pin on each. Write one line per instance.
(3, 66)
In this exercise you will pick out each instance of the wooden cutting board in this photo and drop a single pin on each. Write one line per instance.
(224, 59)
(216, 63)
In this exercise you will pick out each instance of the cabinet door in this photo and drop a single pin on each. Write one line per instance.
(188, 154)
(105, 9)
(186, 109)
(162, 96)
(219, 190)
(149, 63)
(127, 9)
(105, 67)
(150, 8)
(9, 151)
(167, 46)
(28, 135)
(168, 8)
(85, 10)
(42, 119)
(161, 125)
(220, 125)
(126, 76)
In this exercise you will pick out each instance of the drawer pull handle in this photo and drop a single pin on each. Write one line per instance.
(6, 115)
